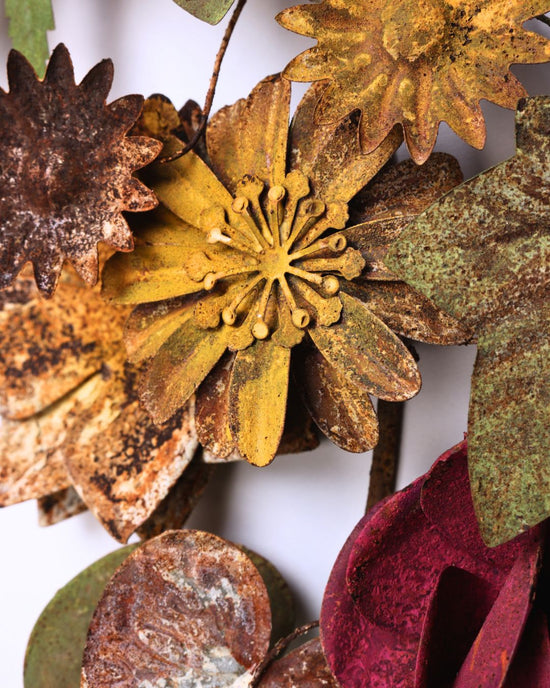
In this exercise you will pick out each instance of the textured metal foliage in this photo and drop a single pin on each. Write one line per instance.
(70, 412)
(211, 11)
(415, 63)
(29, 20)
(187, 608)
(417, 600)
(304, 667)
(482, 253)
(268, 265)
(66, 169)
(55, 648)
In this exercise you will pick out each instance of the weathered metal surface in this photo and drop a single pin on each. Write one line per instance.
(482, 253)
(52, 207)
(415, 63)
(264, 264)
(416, 599)
(211, 11)
(89, 431)
(304, 667)
(58, 506)
(55, 647)
(385, 456)
(186, 608)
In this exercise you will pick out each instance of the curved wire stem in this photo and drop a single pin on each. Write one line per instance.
(277, 650)
(212, 87)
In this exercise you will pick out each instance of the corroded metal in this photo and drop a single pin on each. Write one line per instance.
(53, 206)
(385, 457)
(268, 265)
(415, 63)
(482, 253)
(187, 606)
(304, 667)
(416, 599)
(71, 412)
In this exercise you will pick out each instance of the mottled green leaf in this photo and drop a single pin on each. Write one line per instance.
(56, 645)
(211, 11)
(29, 21)
(482, 253)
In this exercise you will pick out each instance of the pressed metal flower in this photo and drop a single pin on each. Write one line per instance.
(482, 253)
(417, 600)
(72, 432)
(66, 169)
(234, 271)
(415, 62)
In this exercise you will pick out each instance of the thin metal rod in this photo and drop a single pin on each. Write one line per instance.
(213, 83)
(385, 458)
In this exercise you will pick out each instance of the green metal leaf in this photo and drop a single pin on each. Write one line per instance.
(482, 253)
(29, 20)
(56, 645)
(211, 11)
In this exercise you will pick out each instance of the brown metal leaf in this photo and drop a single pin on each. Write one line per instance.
(58, 506)
(415, 63)
(482, 253)
(304, 667)
(185, 607)
(66, 170)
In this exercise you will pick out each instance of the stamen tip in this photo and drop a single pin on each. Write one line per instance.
(331, 285)
(300, 318)
(260, 330)
(209, 281)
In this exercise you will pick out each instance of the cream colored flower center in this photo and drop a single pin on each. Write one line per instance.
(412, 27)
(279, 258)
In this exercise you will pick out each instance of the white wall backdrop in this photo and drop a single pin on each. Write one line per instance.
(298, 511)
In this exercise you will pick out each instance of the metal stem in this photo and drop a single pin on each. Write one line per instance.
(385, 458)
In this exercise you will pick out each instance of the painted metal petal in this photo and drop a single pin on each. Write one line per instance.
(186, 606)
(343, 411)
(250, 137)
(330, 156)
(382, 364)
(257, 400)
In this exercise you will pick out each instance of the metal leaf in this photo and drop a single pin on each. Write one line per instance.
(211, 11)
(29, 21)
(482, 253)
(414, 63)
(55, 648)
(304, 667)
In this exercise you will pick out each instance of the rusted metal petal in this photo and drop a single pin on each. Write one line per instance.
(128, 465)
(408, 313)
(258, 391)
(54, 650)
(382, 364)
(211, 11)
(186, 606)
(304, 667)
(58, 506)
(52, 208)
(343, 411)
(179, 367)
(414, 64)
(482, 253)
(176, 507)
(249, 137)
(416, 599)
(330, 155)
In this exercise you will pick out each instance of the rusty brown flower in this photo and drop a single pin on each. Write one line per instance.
(66, 169)
(72, 432)
(415, 62)
(250, 258)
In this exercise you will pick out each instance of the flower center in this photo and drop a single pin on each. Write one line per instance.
(274, 262)
(412, 27)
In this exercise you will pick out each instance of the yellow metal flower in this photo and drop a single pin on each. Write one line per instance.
(415, 62)
(237, 268)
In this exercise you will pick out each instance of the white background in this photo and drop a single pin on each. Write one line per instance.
(298, 511)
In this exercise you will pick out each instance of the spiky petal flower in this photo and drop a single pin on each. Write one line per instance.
(415, 62)
(66, 169)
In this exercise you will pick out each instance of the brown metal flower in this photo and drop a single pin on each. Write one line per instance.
(66, 169)
(72, 432)
(415, 62)
(235, 271)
